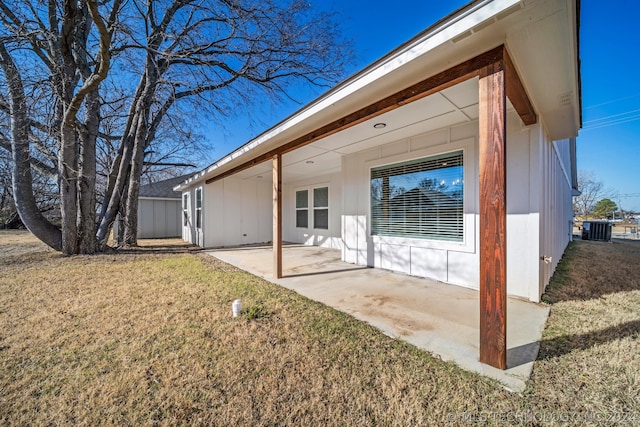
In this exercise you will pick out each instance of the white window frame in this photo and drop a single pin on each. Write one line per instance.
(185, 209)
(319, 208)
(306, 208)
(311, 208)
(199, 218)
(470, 204)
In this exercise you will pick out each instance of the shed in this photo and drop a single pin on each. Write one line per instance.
(159, 209)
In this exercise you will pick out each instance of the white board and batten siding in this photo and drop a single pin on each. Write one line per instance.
(238, 211)
(235, 212)
(330, 237)
(160, 218)
(535, 184)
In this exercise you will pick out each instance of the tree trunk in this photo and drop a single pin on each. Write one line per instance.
(73, 32)
(119, 237)
(21, 172)
(114, 199)
(131, 207)
(141, 132)
(68, 149)
(119, 174)
(68, 170)
(87, 176)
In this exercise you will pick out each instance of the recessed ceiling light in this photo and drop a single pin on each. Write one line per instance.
(380, 125)
(259, 177)
(309, 162)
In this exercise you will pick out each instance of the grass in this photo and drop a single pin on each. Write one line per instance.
(146, 337)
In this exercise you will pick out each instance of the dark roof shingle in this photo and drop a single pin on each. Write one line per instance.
(163, 189)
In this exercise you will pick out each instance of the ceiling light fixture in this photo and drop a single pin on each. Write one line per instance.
(309, 162)
(380, 125)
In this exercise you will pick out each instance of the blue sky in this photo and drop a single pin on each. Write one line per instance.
(608, 144)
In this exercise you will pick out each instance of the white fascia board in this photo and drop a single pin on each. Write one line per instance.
(441, 33)
(173, 199)
(574, 37)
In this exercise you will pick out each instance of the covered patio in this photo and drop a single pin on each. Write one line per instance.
(482, 107)
(440, 318)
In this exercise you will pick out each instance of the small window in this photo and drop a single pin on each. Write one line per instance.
(185, 211)
(421, 198)
(199, 207)
(321, 208)
(302, 209)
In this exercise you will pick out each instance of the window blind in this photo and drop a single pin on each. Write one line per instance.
(421, 198)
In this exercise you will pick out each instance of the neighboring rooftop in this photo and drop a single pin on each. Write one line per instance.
(163, 189)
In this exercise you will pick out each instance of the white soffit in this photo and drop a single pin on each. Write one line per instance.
(545, 53)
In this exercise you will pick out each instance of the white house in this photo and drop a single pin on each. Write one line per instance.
(452, 157)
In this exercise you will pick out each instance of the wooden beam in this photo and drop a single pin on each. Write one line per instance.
(517, 94)
(431, 85)
(277, 216)
(493, 216)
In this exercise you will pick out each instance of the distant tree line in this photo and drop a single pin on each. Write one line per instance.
(595, 201)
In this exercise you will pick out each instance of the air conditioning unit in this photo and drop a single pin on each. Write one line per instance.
(596, 230)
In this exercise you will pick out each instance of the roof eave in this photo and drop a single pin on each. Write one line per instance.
(440, 32)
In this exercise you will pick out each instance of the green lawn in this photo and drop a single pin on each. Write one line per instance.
(146, 338)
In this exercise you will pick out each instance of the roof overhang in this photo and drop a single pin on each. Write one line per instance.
(540, 36)
(172, 199)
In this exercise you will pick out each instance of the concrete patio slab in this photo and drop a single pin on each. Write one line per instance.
(437, 317)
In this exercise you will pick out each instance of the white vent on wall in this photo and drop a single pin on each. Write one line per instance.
(462, 36)
(509, 11)
(566, 98)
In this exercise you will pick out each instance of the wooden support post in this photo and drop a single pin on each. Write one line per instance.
(493, 216)
(277, 216)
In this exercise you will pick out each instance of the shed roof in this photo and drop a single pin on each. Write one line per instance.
(163, 189)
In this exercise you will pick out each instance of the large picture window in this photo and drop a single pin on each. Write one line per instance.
(420, 198)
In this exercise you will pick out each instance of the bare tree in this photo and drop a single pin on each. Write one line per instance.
(212, 56)
(161, 62)
(45, 192)
(21, 172)
(72, 44)
(591, 191)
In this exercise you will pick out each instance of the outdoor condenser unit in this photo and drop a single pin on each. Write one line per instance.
(596, 230)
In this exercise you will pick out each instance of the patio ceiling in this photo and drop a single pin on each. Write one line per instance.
(455, 105)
